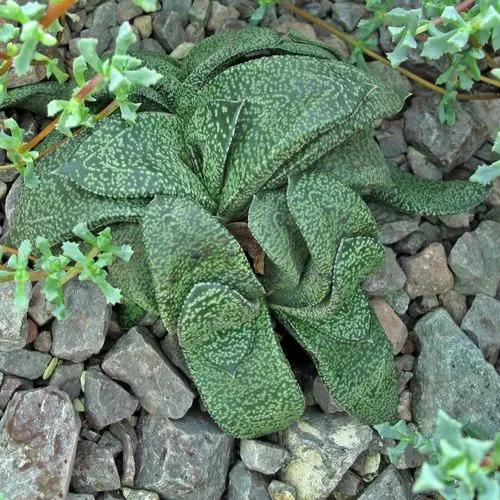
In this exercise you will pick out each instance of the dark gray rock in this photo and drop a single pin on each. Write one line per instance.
(445, 146)
(3, 190)
(128, 438)
(43, 341)
(111, 442)
(106, 402)
(151, 45)
(263, 457)
(475, 260)
(393, 225)
(322, 447)
(482, 324)
(82, 333)
(452, 375)
(137, 360)
(184, 459)
(10, 203)
(422, 167)
(38, 438)
(67, 378)
(389, 76)
(180, 6)
(170, 346)
(281, 491)
(94, 470)
(323, 397)
(24, 363)
(126, 11)
(9, 385)
(388, 279)
(219, 14)
(199, 12)
(391, 139)
(350, 484)
(168, 29)
(390, 485)
(245, 484)
(399, 301)
(13, 325)
(348, 14)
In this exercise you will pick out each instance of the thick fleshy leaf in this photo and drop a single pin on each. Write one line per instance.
(133, 278)
(302, 99)
(236, 362)
(120, 160)
(423, 196)
(360, 374)
(56, 205)
(185, 246)
(212, 130)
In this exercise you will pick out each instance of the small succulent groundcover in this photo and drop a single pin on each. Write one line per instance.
(267, 137)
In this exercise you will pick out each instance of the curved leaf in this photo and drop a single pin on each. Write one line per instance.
(236, 362)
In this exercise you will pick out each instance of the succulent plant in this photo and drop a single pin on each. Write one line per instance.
(268, 137)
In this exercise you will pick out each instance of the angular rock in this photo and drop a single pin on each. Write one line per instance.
(388, 279)
(394, 328)
(389, 76)
(199, 12)
(180, 6)
(10, 203)
(285, 23)
(170, 346)
(9, 385)
(390, 485)
(168, 30)
(131, 494)
(323, 397)
(487, 112)
(403, 411)
(475, 260)
(393, 225)
(427, 272)
(422, 167)
(367, 464)
(144, 25)
(482, 324)
(457, 220)
(322, 448)
(350, 485)
(79, 496)
(399, 301)
(111, 442)
(348, 14)
(82, 333)
(455, 303)
(245, 484)
(445, 146)
(66, 377)
(182, 50)
(219, 14)
(38, 438)
(184, 459)
(391, 139)
(94, 470)
(263, 457)
(43, 341)
(128, 438)
(13, 325)
(106, 402)
(151, 45)
(126, 11)
(452, 375)
(24, 363)
(281, 491)
(137, 360)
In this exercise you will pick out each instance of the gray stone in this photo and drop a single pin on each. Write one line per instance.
(131, 494)
(427, 272)
(475, 260)
(182, 50)
(445, 146)
(137, 360)
(348, 14)
(67, 378)
(151, 45)
(367, 464)
(106, 402)
(322, 448)
(388, 279)
(391, 139)
(393, 327)
(10, 203)
(3, 190)
(40, 309)
(43, 341)
(263, 457)
(199, 12)
(281, 491)
(180, 6)
(168, 30)
(13, 325)
(457, 220)
(393, 225)
(184, 459)
(170, 346)
(128, 437)
(126, 11)
(24, 363)
(403, 411)
(422, 167)
(9, 385)
(111, 442)
(350, 485)
(390, 485)
(100, 32)
(389, 76)
(94, 470)
(399, 301)
(106, 14)
(452, 375)
(219, 14)
(38, 438)
(482, 324)
(323, 397)
(79, 496)
(285, 23)
(82, 333)
(245, 484)
(487, 112)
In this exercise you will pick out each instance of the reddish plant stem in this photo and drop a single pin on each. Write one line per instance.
(13, 251)
(55, 11)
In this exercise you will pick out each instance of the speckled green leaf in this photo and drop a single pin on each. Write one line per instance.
(36, 97)
(236, 362)
(57, 204)
(119, 160)
(360, 374)
(307, 101)
(302, 45)
(133, 278)
(186, 245)
(423, 196)
(273, 227)
(212, 130)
